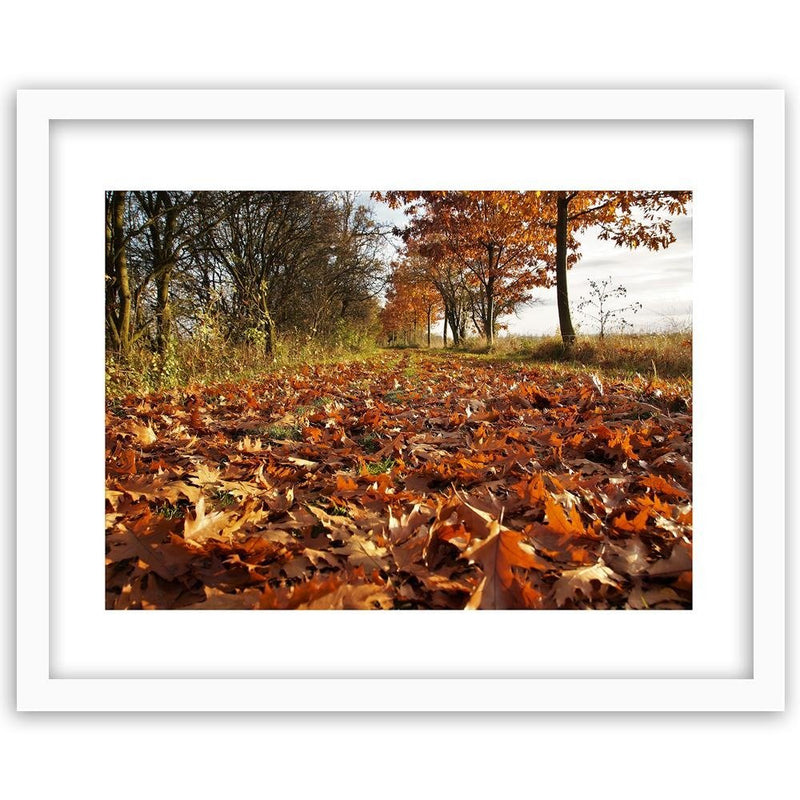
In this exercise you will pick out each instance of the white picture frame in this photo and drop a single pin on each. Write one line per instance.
(57, 614)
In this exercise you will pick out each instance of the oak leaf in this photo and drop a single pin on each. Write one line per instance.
(202, 526)
(585, 582)
(498, 555)
(558, 520)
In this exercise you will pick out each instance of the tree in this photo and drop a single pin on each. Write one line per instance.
(494, 237)
(596, 306)
(629, 219)
(447, 276)
(166, 232)
(310, 263)
(118, 287)
(268, 242)
(411, 298)
(348, 275)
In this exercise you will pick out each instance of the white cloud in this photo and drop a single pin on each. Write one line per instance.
(661, 281)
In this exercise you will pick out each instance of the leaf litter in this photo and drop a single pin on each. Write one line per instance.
(456, 484)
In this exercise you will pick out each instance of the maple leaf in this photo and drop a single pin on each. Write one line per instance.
(640, 598)
(205, 475)
(635, 525)
(156, 592)
(338, 525)
(303, 462)
(121, 462)
(663, 486)
(169, 560)
(631, 559)
(326, 593)
(345, 486)
(532, 491)
(402, 528)
(680, 560)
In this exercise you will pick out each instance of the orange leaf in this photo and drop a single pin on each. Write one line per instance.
(497, 555)
(635, 525)
(558, 521)
(344, 483)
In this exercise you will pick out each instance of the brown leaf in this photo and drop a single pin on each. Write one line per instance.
(217, 600)
(498, 556)
(585, 582)
(368, 596)
(202, 526)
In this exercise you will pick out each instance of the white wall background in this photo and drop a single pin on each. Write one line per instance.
(363, 44)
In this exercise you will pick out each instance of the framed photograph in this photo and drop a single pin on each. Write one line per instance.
(194, 268)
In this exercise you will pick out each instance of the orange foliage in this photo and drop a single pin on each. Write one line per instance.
(356, 486)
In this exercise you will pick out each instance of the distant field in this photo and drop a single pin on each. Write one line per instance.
(667, 355)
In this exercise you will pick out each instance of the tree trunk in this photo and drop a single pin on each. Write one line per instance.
(121, 277)
(429, 327)
(269, 335)
(162, 309)
(112, 334)
(164, 270)
(453, 321)
(489, 324)
(564, 319)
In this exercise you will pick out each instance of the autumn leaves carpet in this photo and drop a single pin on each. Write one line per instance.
(406, 482)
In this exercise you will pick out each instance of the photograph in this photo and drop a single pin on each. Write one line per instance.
(363, 399)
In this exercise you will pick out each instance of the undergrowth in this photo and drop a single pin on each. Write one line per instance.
(205, 362)
(650, 355)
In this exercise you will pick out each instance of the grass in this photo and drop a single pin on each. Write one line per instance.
(394, 396)
(652, 355)
(377, 467)
(283, 432)
(170, 511)
(224, 498)
(195, 362)
(659, 355)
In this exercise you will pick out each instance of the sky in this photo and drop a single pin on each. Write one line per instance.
(661, 281)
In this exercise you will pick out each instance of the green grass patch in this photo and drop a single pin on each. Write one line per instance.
(223, 498)
(170, 511)
(283, 432)
(394, 396)
(378, 467)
